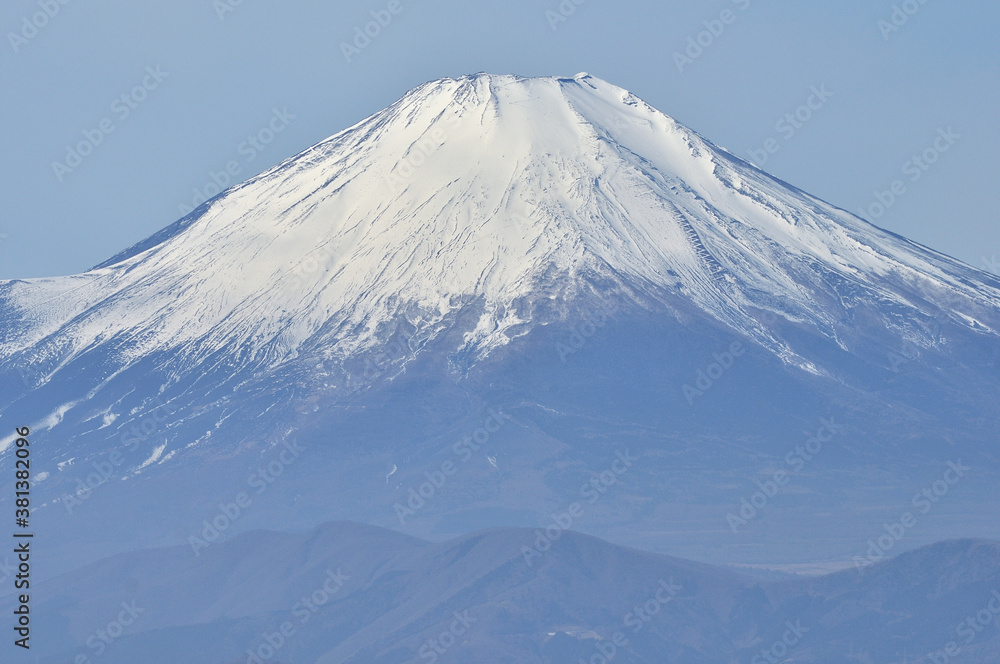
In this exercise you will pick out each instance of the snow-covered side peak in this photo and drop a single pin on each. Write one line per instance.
(473, 189)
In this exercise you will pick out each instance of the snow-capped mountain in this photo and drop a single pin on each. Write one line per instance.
(500, 188)
(481, 220)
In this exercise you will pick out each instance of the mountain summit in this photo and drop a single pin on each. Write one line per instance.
(476, 226)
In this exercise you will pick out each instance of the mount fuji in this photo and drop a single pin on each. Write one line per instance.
(496, 299)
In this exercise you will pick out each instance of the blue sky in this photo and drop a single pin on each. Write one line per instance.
(166, 95)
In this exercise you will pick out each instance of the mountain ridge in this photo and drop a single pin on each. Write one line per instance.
(380, 597)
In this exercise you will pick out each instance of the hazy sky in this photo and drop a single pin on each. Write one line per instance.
(163, 95)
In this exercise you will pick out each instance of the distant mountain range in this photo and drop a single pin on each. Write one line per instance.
(357, 594)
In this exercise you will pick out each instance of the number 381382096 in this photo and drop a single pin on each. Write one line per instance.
(23, 467)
